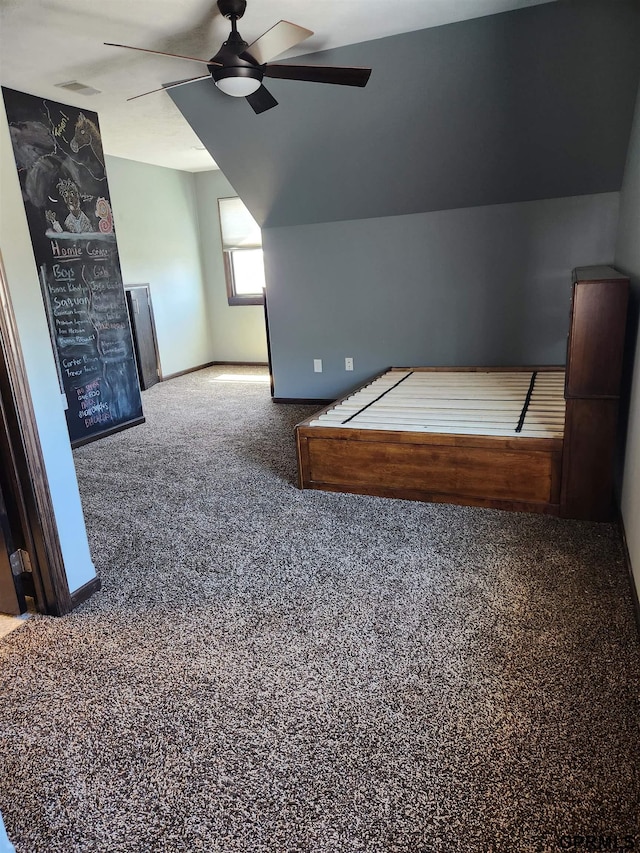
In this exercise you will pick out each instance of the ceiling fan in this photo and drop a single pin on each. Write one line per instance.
(238, 68)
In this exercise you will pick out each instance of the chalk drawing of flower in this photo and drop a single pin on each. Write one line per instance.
(103, 208)
(106, 225)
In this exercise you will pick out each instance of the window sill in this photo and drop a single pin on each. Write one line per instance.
(246, 300)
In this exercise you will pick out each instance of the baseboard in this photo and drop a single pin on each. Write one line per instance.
(188, 370)
(214, 364)
(85, 592)
(243, 363)
(303, 401)
(632, 583)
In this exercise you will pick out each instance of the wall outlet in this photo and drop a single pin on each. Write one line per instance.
(317, 365)
(348, 364)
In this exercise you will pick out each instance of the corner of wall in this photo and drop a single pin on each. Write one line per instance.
(627, 260)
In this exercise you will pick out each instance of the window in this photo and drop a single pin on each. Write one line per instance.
(242, 253)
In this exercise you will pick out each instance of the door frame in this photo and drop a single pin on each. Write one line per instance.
(21, 445)
(11, 602)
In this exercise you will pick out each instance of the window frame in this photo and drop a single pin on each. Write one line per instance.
(234, 298)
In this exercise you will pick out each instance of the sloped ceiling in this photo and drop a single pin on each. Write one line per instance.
(535, 103)
(46, 43)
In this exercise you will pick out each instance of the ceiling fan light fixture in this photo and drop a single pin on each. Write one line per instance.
(238, 81)
(238, 87)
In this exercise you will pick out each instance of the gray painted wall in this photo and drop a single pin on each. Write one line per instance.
(628, 260)
(237, 331)
(156, 220)
(531, 104)
(479, 286)
(437, 224)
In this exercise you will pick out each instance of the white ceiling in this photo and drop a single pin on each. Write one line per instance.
(48, 42)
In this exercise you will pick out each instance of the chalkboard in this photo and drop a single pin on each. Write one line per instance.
(60, 161)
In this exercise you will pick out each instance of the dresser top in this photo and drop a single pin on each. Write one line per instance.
(599, 273)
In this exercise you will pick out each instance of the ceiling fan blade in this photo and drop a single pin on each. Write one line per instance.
(161, 53)
(171, 86)
(261, 100)
(320, 74)
(275, 41)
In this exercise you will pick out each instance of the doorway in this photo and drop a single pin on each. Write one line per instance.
(30, 539)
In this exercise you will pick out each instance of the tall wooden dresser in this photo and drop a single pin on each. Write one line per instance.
(592, 391)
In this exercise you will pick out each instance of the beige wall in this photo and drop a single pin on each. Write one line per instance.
(169, 237)
(237, 331)
(159, 245)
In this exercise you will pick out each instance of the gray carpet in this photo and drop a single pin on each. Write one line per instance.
(275, 670)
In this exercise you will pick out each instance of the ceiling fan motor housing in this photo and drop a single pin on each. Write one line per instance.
(235, 72)
(232, 8)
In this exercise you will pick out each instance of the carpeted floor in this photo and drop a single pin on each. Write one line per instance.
(275, 671)
(10, 623)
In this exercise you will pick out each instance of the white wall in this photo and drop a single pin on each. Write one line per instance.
(156, 223)
(38, 355)
(237, 331)
(628, 261)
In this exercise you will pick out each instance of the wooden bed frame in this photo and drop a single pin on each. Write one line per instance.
(570, 475)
